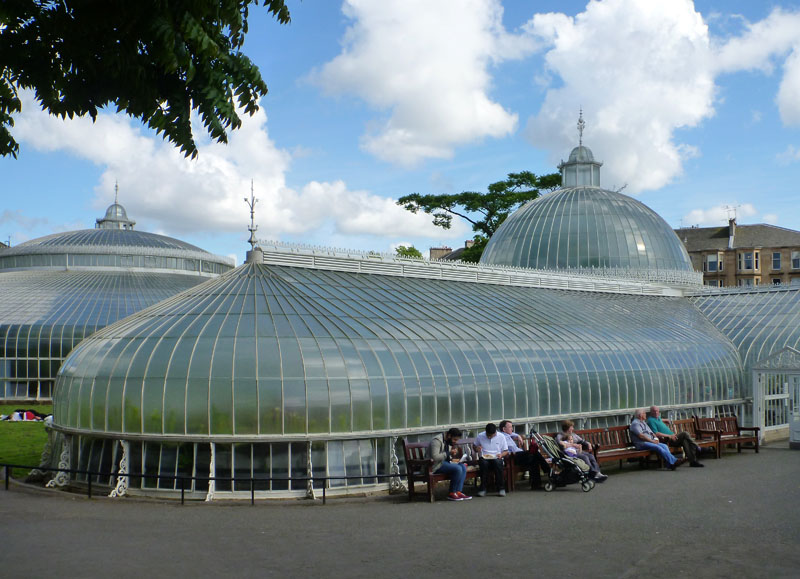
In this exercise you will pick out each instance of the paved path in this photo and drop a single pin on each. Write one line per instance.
(739, 516)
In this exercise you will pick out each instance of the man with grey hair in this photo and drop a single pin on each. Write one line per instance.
(644, 438)
(682, 439)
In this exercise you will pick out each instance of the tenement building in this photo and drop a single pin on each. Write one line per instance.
(744, 255)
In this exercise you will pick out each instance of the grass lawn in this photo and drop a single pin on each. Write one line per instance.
(22, 442)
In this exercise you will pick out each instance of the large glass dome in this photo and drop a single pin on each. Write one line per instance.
(583, 226)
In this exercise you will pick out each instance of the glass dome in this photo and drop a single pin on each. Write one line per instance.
(586, 227)
(582, 226)
(60, 288)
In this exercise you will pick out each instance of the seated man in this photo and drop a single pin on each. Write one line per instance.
(643, 437)
(444, 452)
(492, 448)
(684, 439)
(531, 461)
(575, 445)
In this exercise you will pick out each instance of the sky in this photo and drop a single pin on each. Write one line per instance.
(693, 108)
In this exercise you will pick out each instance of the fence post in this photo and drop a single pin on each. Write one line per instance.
(183, 488)
(252, 492)
(89, 487)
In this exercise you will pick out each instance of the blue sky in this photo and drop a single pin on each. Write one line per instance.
(694, 107)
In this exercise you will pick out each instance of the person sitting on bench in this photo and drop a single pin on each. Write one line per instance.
(642, 437)
(445, 453)
(684, 439)
(582, 449)
(492, 448)
(532, 461)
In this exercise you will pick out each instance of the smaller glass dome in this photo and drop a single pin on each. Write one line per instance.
(115, 218)
(581, 154)
(115, 210)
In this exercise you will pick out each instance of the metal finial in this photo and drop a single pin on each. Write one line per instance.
(581, 126)
(116, 191)
(253, 227)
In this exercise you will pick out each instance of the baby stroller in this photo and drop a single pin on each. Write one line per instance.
(564, 470)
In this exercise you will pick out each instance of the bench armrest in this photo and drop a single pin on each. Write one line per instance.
(713, 433)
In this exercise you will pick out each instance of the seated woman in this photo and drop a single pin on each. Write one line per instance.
(445, 453)
(576, 446)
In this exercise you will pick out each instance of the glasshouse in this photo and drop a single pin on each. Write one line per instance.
(302, 368)
(58, 289)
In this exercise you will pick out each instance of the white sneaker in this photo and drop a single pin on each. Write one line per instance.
(502, 493)
(481, 493)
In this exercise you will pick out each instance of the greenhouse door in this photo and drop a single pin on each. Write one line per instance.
(776, 392)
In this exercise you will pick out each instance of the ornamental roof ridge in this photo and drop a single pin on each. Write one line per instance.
(618, 280)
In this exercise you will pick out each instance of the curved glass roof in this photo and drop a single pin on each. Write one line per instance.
(586, 227)
(116, 238)
(759, 322)
(44, 314)
(287, 353)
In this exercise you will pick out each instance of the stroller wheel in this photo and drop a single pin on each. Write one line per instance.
(549, 486)
(586, 486)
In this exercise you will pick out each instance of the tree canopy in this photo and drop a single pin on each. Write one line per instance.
(155, 60)
(484, 211)
(408, 251)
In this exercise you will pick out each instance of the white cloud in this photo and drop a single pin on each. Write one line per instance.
(760, 43)
(169, 192)
(640, 70)
(770, 218)
(719, 214)
(427, 66)
(788, 98)
(760, 47)
(790, 155)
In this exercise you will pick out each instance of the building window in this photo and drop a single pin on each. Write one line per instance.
(712, 283)
(712, 262)
(749, 260)
(776, 260)
(796, 260)
(776, 281)
(747, 282)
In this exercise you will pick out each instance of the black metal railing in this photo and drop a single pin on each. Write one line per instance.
(181, 480)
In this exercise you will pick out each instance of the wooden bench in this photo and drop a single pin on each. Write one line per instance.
(613, 444)
(730, 432)
(419, 468)
(703, 438)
